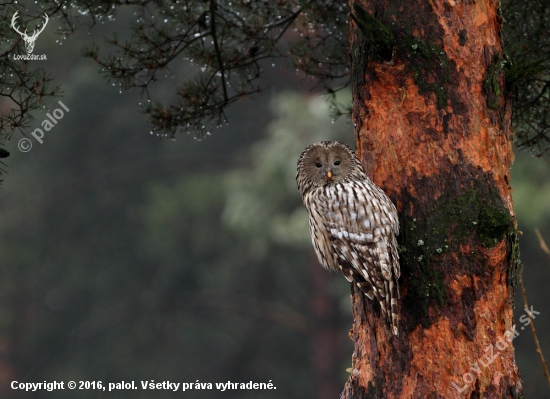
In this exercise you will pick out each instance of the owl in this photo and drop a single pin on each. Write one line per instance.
(352, 222)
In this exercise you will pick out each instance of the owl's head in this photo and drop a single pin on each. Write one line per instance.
(326, 162)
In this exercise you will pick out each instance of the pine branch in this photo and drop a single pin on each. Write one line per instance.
(532, 325)
(542, 243)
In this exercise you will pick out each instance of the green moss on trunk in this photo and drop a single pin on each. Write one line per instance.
(515, 261)
(430, 66)
(435, 232)
(491, 83)
(377, 34)
(428, 62)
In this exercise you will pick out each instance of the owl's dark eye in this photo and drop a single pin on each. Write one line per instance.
(318, 164)
(337, 163)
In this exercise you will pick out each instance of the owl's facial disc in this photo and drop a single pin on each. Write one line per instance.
(329, 166)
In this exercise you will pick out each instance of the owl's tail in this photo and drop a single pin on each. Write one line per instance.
(388, 302)
(393, 297)
(385, 291)
(388, 262)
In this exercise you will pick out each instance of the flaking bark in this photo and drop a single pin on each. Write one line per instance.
(433, 130)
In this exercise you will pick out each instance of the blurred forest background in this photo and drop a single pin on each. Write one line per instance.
(128, 257)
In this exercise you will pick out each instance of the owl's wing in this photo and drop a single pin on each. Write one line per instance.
(360, 213)
(322, 240)
(361, 266)
(362, 222)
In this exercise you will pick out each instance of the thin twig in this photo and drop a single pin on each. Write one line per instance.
(542, 244)
(535, 338)
(217, 48)
(16, 42)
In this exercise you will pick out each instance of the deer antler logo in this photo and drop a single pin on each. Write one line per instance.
(29, 40)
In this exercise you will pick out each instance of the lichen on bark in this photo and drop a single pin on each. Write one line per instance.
(440, 237)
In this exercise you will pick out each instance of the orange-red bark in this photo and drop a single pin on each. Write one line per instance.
(415, 148)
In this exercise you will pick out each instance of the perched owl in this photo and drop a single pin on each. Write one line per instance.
(352, 222)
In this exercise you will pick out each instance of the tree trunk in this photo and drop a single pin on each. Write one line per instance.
(432, 116)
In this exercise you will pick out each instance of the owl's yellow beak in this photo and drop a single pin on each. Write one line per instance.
(329, 174)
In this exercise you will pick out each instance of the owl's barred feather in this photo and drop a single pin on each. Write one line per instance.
(352, 222)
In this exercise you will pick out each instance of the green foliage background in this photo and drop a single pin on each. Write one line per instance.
(126, 257)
